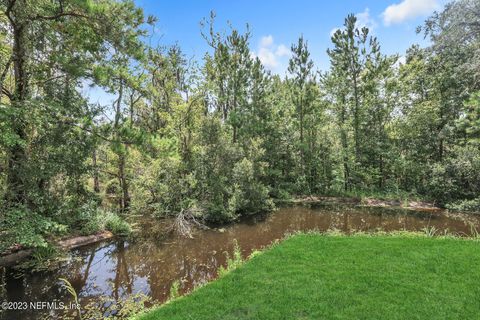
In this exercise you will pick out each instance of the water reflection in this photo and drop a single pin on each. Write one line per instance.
(120, 268)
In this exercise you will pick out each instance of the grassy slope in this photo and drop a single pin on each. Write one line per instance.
(338, 277)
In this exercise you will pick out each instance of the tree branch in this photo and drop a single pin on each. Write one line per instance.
(59, 15)
(3, 76)
(7, 93)
(9, 9)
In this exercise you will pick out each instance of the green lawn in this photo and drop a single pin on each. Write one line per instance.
(339, 277)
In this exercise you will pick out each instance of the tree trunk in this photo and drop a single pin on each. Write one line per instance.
(346, 170)
(343, 134)
(15, 182)
(122, 180)
(17, 155)
(96, 182)
(234, 138)
(356, 120)
(125, 199)
(382, 173)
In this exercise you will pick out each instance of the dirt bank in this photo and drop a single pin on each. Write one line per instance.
(369, 202)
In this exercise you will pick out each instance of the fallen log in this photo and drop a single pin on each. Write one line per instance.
(13, 258)
(66, 244)
(72, 243)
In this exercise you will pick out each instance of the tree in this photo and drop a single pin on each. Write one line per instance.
(227, 72)
(471, 122)
(54, 48)
(456, 29)
(303, 86)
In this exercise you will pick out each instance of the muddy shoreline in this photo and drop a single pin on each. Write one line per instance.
(365, 202)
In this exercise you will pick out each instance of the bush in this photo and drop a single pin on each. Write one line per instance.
(457, 177)
(88, 218)
(465, 205)
(249, 196)
(165, 188)
(93, 219)
(116, 225)
(20, 226)
(230, 179)
(222, 180)
(91, 227)
(213, 161)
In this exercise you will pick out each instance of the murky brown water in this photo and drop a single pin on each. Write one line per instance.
(148, 265)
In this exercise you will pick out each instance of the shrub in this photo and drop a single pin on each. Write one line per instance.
(91, 218)
(232, 262)
(249, 196)
(20, 226)
(174, 290)
(222, 180)
(457, 177)
(465, 205)
(116, 225)
(88, 218)
(165, 188)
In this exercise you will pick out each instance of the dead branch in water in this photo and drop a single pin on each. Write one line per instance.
(185, 221)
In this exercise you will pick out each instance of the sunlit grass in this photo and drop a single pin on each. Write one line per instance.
(340, 277)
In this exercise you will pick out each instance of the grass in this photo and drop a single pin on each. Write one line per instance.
(339, 277)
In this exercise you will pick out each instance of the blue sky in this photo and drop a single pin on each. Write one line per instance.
(275, 25)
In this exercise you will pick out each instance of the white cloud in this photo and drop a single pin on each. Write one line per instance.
(283, 51)
(408, 9)
(266, 41)
(365, 20)
(272, 56)
(267, 57)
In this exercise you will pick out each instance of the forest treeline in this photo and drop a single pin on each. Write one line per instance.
(222, 137)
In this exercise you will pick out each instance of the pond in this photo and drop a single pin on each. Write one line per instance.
(150, 265)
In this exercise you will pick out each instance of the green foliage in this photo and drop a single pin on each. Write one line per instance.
(456, 177)
(471, 122)
(20, 226)
(44, 254)
(249, 194)
(230, 178)
(174, 290)
(115, 224)
(232, 262)
(90, 218)
(70, 289)
(165, 188)
(472, 205)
